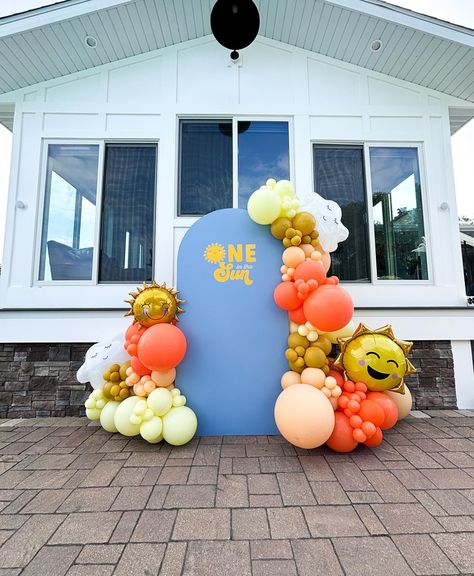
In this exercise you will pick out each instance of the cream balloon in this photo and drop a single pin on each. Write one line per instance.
(347, 330)
(160, 401)
(264, 205)
(314, 377)
(179, 425)
(124, 413)
(151, 431)
(403, 402)
(107, 416)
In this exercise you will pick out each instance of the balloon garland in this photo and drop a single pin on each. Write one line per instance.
(343, 402)
(135, 395)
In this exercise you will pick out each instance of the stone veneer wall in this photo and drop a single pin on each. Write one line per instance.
(39, 379)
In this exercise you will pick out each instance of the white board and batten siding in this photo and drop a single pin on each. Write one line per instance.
(142, 98)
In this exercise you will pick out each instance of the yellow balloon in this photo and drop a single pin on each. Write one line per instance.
(160, 401)
(285, 189)
(123, 414)
(264, 205)
(151, 431)
(403, 401)
(107, 416)
(179, 425)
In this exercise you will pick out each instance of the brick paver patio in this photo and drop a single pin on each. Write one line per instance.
(76, 500)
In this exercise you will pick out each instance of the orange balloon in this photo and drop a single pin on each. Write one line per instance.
(138, 367)
(329, 308)
(286, 296)
(162, 347)
(341, 439)
(371, 411)
(304, 416)
(375, 440)
(297, 315)
(389, 407)
(310, 270)
(134, 329)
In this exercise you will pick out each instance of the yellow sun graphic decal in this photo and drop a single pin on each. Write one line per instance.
(214, 253)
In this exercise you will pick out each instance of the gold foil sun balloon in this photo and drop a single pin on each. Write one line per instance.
(154, 304)
(376, 358)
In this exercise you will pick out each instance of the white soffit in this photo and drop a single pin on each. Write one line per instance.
(49, 42)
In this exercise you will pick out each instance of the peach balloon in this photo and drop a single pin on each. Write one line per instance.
(308, 249)
(304, 416)
(293, 256)
(314, 377)
(163, 378)
(403, 402)
(326, 258)
(290, 378)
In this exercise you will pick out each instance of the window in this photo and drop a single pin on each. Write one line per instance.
(206, 166)
(398, 249)
(74, 211)
(69, 217)
(398, 216)
(339, 176)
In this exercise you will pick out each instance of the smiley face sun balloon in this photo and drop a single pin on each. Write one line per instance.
(376, 358)
(154, 304)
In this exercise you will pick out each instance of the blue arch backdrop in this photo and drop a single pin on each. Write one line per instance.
(228, 267)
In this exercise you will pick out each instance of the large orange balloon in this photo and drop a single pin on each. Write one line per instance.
(286, 296)
(310, 270)
(371, 411)
(341, 439)
(329, 308)
(389, 407)
(162, 347)
(304, 416)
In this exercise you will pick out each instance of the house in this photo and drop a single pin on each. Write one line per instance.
(130, 121)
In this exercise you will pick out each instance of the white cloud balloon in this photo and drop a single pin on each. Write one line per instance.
(100, 358)
(328, 221)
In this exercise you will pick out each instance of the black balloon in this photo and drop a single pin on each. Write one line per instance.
(235, 23)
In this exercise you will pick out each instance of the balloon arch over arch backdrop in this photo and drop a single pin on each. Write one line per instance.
(267, 342)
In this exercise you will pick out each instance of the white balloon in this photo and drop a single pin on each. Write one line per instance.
(328, 221)
(100, 358)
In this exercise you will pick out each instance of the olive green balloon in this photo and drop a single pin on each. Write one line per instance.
(295, 368)
(279, 227)
(324, 343)
(305, 222)
(315, 357)
(296, 339)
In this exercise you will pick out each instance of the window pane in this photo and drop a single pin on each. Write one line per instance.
(263, 154)
(67, 240)
(398, 214)
(205, 167)
(339, 176)
(127, 229)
